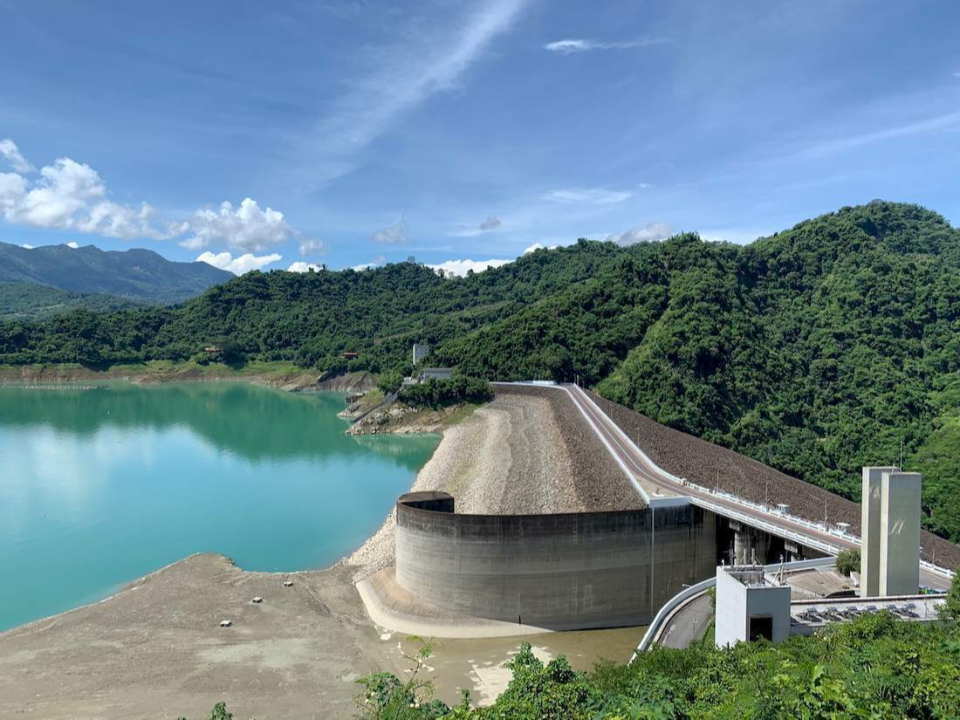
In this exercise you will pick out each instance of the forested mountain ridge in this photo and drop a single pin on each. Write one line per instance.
(825, 347)
(135, 273)
(30, 301)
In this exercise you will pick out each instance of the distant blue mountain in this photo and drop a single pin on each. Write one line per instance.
(140, 274)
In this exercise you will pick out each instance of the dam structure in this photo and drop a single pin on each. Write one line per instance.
(660, 530)
(558, 572)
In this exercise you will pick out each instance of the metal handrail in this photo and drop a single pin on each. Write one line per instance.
(687, 593)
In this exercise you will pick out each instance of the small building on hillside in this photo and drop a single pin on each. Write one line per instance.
(350, 355)
(436, 374)
(420, 352)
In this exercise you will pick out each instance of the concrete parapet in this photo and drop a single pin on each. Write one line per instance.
(564, 571)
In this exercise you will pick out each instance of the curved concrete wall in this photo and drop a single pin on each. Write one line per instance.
(566, 571)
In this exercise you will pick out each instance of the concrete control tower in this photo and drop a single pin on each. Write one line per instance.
(890, 531)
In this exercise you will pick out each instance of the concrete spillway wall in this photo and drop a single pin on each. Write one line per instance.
(565, 571)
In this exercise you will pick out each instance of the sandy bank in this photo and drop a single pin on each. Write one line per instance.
(285, 378)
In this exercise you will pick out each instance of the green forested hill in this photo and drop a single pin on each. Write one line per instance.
(823, 348)
(29, 301)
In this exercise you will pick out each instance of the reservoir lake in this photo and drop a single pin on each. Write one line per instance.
(101, 486)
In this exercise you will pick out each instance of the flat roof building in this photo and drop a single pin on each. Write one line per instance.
(749, 606)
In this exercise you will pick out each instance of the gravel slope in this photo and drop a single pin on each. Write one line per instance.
(526, 452)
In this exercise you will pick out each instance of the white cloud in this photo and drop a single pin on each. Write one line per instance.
(27, 247)
(645, 233)
(460, 267)
(300, 266)
(539, 246)
(378, 261)
(839, 145)
(238, 265)
(69, 195)
(644, 186)
(73, 245)
(592, 196)
(566, 47)
(392, 234)
(431, 61)
(311, 247)
(245, 228)
(9, 150)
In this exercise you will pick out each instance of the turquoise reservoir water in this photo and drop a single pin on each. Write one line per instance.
(99, 487)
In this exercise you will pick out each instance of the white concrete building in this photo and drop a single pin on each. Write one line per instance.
(750, 607)
(890, 532)
(420, 352)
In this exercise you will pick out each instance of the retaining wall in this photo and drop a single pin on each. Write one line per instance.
(561, 572)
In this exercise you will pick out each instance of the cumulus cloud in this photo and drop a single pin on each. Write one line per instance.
(380, 260)
(73, 244)
(300, 266)
(247, 227)
(539, 246)
(311, 247)
(238, 265)
(569, 46)
(460, 268)
(27, 247)
(643, 233)
(69, 195)
(392, 234)
(591, 196)
(9, 150)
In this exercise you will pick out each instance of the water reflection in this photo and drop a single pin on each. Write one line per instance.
(101, 486)
(253, 422)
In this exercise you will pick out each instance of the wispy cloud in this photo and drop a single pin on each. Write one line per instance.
(312, 247)
(489, 225)
(569, 46)
(591, 196)
(850, 142)
(404, 77)
(392, 234)
(9, 150)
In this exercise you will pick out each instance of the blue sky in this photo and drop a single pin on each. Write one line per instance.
(349, 133)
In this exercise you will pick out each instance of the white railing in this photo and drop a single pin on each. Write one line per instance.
(677, 600)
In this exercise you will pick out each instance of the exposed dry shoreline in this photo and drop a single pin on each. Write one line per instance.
(156, 648)
(290, 380)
